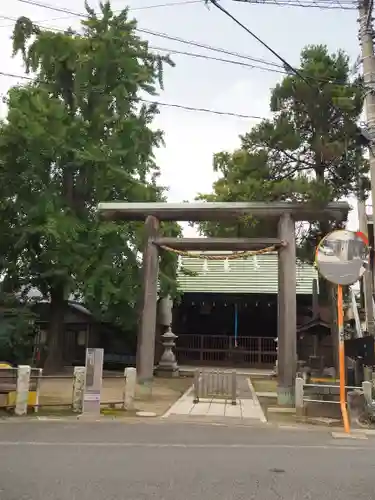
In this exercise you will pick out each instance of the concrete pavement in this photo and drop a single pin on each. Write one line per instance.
(343, 272)
(247, 409)
(112, 461)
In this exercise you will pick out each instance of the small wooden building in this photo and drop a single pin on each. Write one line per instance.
(80, 331)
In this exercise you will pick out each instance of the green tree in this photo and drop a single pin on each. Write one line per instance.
(77, 135)
(248, 176)
(17, 330)
(308, 151)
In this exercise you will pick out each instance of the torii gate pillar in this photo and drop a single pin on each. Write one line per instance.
(147, 325)
(287, 313)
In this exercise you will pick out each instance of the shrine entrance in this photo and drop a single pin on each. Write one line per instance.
(286, 214)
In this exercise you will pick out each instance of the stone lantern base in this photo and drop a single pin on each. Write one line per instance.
(166, 372)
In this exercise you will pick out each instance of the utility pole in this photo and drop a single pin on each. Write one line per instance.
(368, 61)
(367, 277)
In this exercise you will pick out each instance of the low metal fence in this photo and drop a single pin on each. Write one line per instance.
(215, 383)
(306, 393)
(224, 350)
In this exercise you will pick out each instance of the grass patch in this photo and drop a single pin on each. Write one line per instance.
(159, 396)
(264, 385)
(155, 397)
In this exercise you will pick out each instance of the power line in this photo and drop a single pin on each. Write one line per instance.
(253, 66)
(286, 64)
(190, 54)
(362, 134)
(156, 33)
(9, 18)
(208, 47)
(219, 59)
(170, 4)
(272, 69)
(270, 49)
(280, 67)
(318, 4)
(158, 103)
(203, 110)
(146, 7)
(50, 7)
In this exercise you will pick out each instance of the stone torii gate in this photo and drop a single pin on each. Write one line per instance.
(286, 213)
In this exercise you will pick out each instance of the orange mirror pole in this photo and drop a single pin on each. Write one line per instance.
(340, 323)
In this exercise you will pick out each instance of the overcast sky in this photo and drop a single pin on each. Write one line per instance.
(192, 137)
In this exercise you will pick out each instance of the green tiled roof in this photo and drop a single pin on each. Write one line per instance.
(250, 275)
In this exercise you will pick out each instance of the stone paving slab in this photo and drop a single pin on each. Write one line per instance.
(201, 408)
(250, 409)
(233, 411)
(247, 406)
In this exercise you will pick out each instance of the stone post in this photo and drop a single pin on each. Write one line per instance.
(367, 391)
(367, 373)
(168, 365)
(197, 378)
(299, 396)
(78, 388)
(130, 385)
(234, 388)
(39, 373)
(23, 383)
(287, 313)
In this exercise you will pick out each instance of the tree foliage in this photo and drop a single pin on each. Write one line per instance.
(76, 135)
(309, 150)
(17, 330)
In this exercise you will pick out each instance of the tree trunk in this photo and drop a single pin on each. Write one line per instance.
(54, 360)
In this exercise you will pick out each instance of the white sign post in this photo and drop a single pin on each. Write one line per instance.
(93, 382)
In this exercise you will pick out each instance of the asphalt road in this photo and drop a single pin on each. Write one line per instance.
(344, 273)
(111, 461)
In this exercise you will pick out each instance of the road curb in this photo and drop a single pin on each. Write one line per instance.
(185, 396)
(263, 418)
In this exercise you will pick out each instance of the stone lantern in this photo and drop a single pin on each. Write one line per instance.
(168, 364)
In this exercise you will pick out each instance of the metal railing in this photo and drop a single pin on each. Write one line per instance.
(306, 393)
(226, 350)
(326, 390)
(215, 384)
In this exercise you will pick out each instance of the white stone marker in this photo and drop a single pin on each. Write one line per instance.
(130, 384)
(23, 383)
(93, 381)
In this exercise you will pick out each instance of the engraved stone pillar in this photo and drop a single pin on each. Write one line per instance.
(78, 388)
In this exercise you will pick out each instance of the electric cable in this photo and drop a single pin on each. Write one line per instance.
(158, 103)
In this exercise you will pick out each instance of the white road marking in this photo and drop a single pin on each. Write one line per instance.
(177, 445)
